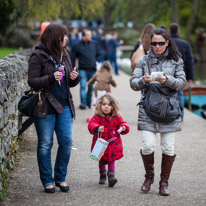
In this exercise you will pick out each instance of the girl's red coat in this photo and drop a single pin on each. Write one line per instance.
(111, 124)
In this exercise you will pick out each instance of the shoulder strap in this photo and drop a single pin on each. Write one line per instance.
(147, 59)
(149, 64)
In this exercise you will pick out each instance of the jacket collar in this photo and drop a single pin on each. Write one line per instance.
(174, 35)
(155, 59)
(46, 51)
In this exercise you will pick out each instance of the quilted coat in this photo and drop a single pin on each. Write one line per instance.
(175, 80)
(111, 124)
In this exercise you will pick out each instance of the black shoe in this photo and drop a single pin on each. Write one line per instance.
(49, 190)
(102, 179)
(62, 188)
(82, 107)
(112, 181)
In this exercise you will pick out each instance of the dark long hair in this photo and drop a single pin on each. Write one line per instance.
(52, 38)
(173, 52)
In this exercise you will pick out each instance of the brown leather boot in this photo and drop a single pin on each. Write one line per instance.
(148, 161)
(167, 162)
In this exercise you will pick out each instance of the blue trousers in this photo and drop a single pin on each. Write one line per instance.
(86, 94)
(181, 101)
(113, 62)
(62, 124)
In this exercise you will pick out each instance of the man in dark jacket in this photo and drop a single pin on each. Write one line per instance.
(87, 52)
(186, 51)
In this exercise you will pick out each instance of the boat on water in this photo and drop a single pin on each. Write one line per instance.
(198, 99)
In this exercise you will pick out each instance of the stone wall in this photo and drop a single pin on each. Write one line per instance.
(13, 82)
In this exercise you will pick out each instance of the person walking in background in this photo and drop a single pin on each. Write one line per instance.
(112, 45)
(74, 37)
(186, 51)
(99, 38)
(142, 45)
(57, 110)
(110, 124)
(87, 52)
(162, 56)
(103, 79)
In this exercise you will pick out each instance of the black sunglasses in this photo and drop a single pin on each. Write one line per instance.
(161, 43)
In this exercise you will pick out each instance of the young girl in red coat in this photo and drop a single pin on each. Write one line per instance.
(110, 124)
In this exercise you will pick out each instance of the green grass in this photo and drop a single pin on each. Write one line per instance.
(4, 51)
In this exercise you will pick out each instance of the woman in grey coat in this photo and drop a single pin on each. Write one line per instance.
(162, 56)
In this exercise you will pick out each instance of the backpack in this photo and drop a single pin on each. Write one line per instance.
(161, 106)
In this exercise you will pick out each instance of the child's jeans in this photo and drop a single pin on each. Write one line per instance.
(111, 168)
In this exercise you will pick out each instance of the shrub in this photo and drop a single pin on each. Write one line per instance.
(17, 38)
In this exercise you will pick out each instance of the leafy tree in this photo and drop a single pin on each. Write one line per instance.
(38, 10)
(188, 14)
(6, 10)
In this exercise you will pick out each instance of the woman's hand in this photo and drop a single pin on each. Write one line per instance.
(58, 75)
(147, 78)
(74, 74)
(161, 79)
(101, 129)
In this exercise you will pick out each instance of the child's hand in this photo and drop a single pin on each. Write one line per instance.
(123, 128)
(101, 129)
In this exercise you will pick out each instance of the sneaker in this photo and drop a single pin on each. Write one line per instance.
(82, 107)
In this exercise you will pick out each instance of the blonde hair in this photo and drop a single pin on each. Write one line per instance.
(113, 102)
(106, 65)
(146, 36)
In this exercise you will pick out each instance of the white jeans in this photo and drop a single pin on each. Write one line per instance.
(149, 142)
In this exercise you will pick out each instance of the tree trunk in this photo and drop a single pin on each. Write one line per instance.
(174, 12)
(191, 19)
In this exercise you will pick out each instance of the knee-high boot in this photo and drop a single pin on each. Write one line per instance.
(167, 162)
(148, 161)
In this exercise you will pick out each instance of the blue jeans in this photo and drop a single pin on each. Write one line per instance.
(181, 101)
(62, 124)
(86, 96)
(113, 62)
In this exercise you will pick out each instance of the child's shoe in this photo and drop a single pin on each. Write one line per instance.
(102, 179)
(112, 181)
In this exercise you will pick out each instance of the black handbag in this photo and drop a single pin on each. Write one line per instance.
(28, 102)
(160, 106)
